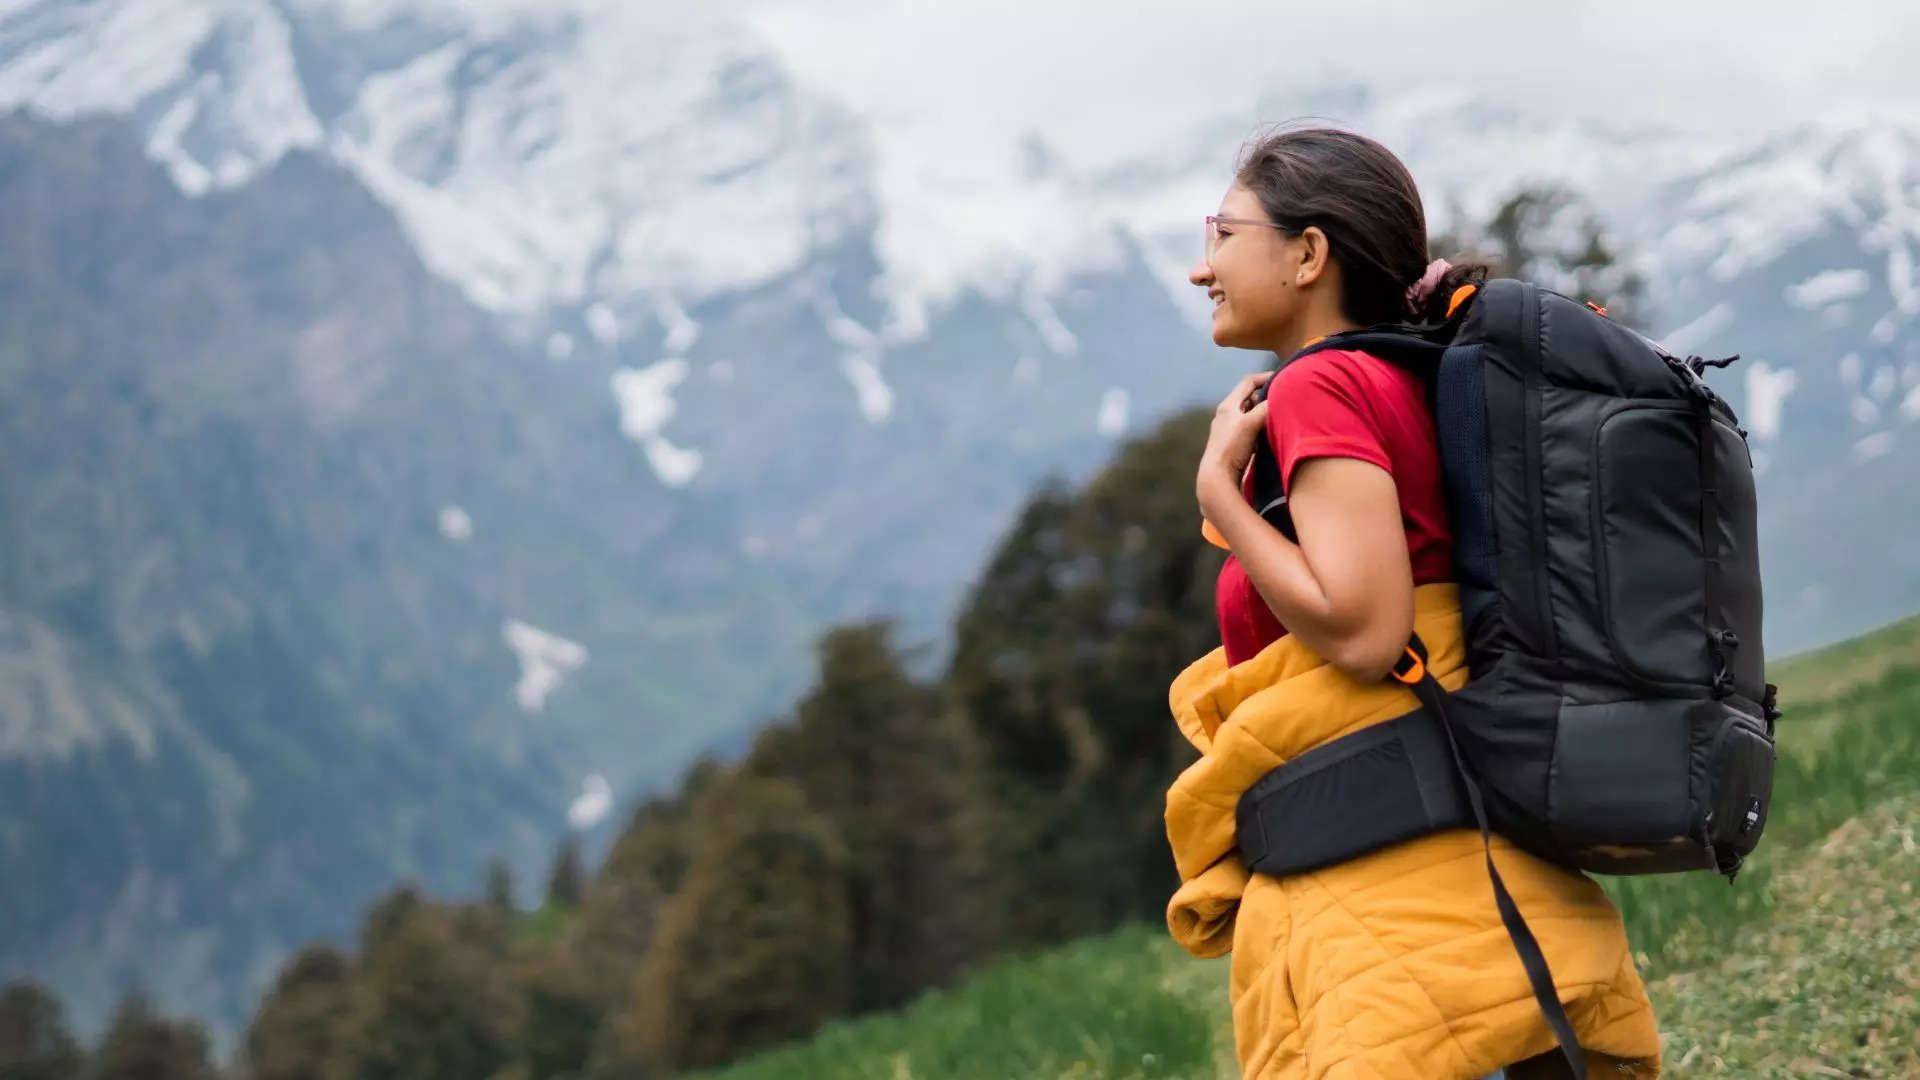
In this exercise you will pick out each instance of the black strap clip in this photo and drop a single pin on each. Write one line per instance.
(1700, 364)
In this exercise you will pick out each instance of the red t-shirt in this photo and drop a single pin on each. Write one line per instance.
(1342, 403)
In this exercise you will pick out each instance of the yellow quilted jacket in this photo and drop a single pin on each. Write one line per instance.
(1393, 966)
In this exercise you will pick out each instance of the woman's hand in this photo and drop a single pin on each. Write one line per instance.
(1237, 422)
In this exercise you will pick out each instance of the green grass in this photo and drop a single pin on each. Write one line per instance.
(1805, 967)
(1848, 742)
(1129, 1006)
(1829, 985)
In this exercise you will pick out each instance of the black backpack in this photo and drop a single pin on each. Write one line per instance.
(1617, 719)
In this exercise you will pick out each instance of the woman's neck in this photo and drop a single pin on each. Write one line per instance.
(1309, 331)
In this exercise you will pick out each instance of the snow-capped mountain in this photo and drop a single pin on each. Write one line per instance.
(591, 170)
(751, 359)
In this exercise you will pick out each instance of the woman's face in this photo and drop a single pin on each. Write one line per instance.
(1251, 273)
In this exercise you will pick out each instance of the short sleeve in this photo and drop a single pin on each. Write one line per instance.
(1317, 407)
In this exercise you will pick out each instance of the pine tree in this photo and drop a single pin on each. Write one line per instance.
(34, 1042)
(622, 903)
(500, 886)
(436, 1001)
(562, 1014)
(938, 795)
(753, 948)
(1009, 645)
(896, 777)
(304, 1026)
(613, 937)
(386, 915)
(566, 883)
(141, 1045)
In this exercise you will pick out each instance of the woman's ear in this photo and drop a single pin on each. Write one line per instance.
(1313, 255)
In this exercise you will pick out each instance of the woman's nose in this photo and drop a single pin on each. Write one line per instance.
(1201, 274)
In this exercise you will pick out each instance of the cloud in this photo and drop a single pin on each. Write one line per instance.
(1085, 77)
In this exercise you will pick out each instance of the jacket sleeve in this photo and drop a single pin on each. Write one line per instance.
(1202, 913)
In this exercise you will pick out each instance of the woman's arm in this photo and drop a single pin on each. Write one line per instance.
(1347, 587)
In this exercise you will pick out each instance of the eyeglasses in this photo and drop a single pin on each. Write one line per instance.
(1214, 221)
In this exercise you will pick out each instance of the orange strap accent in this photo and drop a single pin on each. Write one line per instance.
(1460, 296)
(1414, 673)
(1596, 307)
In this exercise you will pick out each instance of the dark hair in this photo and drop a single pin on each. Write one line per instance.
(1364, 199)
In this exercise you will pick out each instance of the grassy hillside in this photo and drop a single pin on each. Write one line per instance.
(1825, 980)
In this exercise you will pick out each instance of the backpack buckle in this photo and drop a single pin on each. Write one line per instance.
(1410, 668)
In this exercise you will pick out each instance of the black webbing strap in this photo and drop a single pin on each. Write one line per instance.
(1412, 672)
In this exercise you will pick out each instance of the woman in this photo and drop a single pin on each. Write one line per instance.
(1394, 965)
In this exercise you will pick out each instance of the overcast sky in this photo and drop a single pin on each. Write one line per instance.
(1073, 70)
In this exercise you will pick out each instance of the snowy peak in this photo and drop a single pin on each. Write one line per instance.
(1860, 174)
(543, 156)
(213, 84)
(602, 162)
(582, 164)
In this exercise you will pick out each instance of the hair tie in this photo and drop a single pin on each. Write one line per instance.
(1420, 291)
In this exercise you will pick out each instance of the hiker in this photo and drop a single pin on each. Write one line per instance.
(1394, 965)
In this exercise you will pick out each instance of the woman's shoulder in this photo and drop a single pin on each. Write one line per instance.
(1344, 369)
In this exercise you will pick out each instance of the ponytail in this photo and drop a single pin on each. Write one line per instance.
(1430, 297)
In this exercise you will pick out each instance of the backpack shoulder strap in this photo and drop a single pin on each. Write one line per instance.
(1399, 347)
(1412, 352)
(1390, 343)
